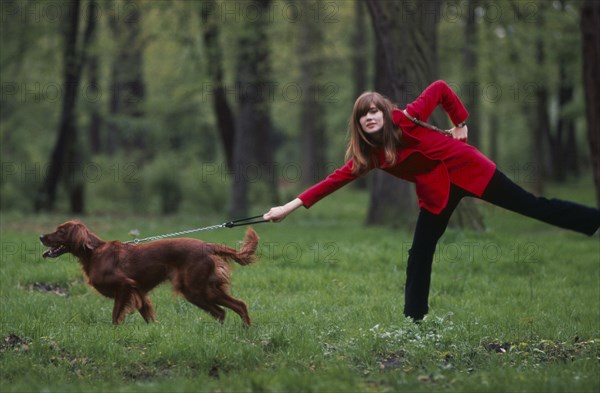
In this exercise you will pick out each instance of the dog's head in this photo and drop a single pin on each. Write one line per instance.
(72, 236)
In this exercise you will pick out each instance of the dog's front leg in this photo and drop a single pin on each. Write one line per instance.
(127, 299)
(122, 296)
(118, 309)
(147, 310)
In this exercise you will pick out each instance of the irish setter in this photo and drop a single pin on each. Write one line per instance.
(127, 272)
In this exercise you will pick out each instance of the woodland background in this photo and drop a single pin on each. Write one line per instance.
(197, 107)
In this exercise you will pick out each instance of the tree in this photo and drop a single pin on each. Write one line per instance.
(312, 112)
(214, 61)
(128, 89)
(359, 43)
(93, 65)
(590, 20)
(253, 143)
(66, 157)
(467, 214)
(540, 121)
(563, 144)
(490, 74)
(535, 110)
(471, 100)
(406, 62)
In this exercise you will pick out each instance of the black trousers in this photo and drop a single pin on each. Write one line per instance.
(503, 192)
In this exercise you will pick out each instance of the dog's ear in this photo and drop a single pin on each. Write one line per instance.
(78, 236)
(89, 244)
(83, 238)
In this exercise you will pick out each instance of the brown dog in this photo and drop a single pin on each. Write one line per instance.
(127, 272)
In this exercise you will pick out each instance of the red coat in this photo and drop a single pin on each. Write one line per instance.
(429, 159)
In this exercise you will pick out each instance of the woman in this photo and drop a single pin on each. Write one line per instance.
(443, 169)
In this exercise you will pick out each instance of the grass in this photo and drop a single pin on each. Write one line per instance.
(516, 308)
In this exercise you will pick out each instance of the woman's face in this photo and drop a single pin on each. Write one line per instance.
(372, 121)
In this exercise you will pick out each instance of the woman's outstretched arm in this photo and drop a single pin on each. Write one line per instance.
(278, 213)
(336, 180)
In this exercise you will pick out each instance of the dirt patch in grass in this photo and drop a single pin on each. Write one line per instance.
(548, 350)
(147, 371)
(15, 343)
(45, 287)
(497, 347)
(392, 360)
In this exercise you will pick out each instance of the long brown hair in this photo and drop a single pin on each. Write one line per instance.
(361, 145)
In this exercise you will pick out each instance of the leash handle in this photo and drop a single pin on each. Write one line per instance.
(244, 221)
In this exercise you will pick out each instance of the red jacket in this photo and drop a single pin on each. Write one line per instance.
(429, 159)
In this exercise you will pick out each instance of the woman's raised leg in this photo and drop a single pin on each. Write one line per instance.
(503, 192)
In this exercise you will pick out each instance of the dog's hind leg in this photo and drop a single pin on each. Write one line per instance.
(217, 312)
(238, 306)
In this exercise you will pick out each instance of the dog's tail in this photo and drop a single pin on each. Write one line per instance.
(247, 252)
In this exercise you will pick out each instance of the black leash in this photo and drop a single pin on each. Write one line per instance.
(230, 224)
(245, 221)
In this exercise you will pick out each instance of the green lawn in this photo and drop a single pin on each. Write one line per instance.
(516, 308)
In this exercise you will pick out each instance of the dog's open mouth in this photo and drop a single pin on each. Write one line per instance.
(54, 252)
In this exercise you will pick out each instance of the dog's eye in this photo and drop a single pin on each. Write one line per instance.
(61, 231)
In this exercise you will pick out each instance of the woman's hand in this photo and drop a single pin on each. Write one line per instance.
(278, 213)
(460, 133)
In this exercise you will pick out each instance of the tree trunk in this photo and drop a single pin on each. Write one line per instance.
(66, 158)
(467, 214)
(471, 100)
(590, 20)
(312, 112)
(541, 119)
(360, 47)
(559, 143)
(75, 169)
(392, 201)
(541, 130)
(359, 62)
(571, 149)
(566, 125)
(214, 60)
(406, 62)
(494, 136)
(253, 160)
(263, 127)
(128, 89)
(490, 74)
(93, 90)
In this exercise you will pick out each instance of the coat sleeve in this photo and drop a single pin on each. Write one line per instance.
(336, 180)
(435, 94)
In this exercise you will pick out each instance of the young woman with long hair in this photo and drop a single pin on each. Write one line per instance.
(444, 170)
